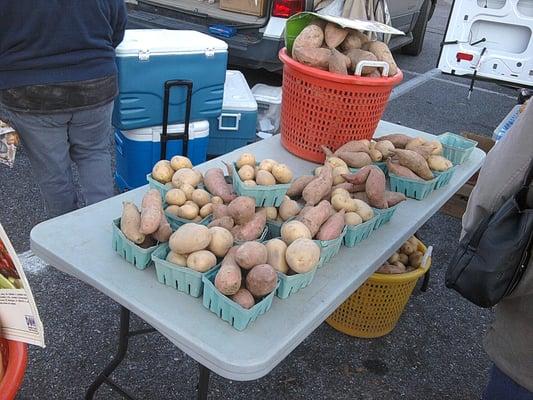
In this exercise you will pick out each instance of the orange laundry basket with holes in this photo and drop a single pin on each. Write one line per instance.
(374, 309)
(14, 360)
(322, 108)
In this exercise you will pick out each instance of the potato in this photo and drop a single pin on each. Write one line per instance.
(391, 269)
(439, 163)
(318, 58)
(201, 197)
(271, 213)
(175, 197)
(342, 202)
(178, 259)
(302, 255)
(162, 171)
(243, 298)
(382, 52)
(354, 40)
(173, 210)
(192, 204)
(334, 35)
(189, 238)
(352, 218)
(338, 63)
(375, 155)
(186, 175)
(282, 173)
(437, 147)
(277, 249)
(415, 259)
(206, 210)
(337, 174)
(415, 142)
(288, 208)
(340, 192)
(265, 178)
(363, 209)
(403, 258)
(221, 241)
(250, 254)
(188, 211)
(130, 223)
(245, 159)
(250, 183)
(294, 230)
(335, 162)
(261, 280)
(311, 36)
(385, 147)
(187, 189)
(201, 261)
(217, 200)
(247, 173)
(395, 257)
(267, 164)
(179, 162)
(407, 248)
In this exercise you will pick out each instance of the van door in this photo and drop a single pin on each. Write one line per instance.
(493, 37)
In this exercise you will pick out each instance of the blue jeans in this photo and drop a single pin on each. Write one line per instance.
(54, 141)
(501, 387)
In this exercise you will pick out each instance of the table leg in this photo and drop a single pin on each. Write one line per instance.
(203, 383)
(123, 337)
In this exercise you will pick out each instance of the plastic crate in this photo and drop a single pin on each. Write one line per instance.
(415, 189)
(357, 233)
(329, 248)
(137, 256)
(291, 284)
(182, 278)
(229, 311)
(265, 196)
(14, 362)
(384, 215)
(443, 178)
(456, 148)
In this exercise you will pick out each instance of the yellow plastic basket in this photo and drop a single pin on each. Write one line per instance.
(374, 309)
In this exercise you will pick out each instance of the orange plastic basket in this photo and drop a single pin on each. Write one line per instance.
(15, 358)
(322, 108)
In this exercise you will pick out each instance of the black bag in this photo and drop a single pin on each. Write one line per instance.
(490, 261)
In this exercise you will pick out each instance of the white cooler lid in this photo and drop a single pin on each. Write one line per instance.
(237, 93)
(267, 94)
(166, 42)
(197, 129)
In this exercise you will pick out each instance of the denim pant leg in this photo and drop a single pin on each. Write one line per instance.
(90, 136)
(501, 387)
(45, 140)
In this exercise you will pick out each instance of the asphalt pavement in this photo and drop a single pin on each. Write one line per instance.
(434, 352)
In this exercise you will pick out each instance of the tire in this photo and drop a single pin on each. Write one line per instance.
(419, 31)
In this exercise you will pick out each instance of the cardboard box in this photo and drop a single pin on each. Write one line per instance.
(252, 7)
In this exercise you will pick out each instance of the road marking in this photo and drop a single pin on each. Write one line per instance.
(31, 263)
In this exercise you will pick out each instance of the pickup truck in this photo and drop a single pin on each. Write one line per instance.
(258, 39)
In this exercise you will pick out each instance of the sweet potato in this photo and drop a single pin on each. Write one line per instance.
(241, 209)
(415, 259)
(316, 216)
(358, 55)
(277, 249)
(319, 186)
(252, 229)
(382, 52)
(355, 159)
(391, 269)
(349, 187)
(318, 58)
(354, 40)
(216, 184)
(298, 185)
(439, 163)
(223, 222)
(354, 146)
(164, 231)
(302, 255)
(151, 212)
(261, 280)
(332, 228)
(415, 142)
(130, 223)
(393, 198)
(360, 196)
(402, 171)
(288, 208)
(374, 154)
(229, 277)
(399, 140)
(407, 248)
(359, 177)
(337, 62)
(424, 150)
(250, 254)
(311, 36)
(220, 210)
(415, 162)
(385, 147)
(334, 35)
(375, 188)
(244, 298)
(403, 258)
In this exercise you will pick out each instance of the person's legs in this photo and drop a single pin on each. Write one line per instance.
(44, 137)
(89, 136)
(501, 387)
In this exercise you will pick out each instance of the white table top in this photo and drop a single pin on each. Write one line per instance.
(79, 244)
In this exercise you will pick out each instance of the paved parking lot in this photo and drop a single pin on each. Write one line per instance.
(434, 352)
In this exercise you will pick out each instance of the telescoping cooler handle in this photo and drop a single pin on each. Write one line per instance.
(378, 64)
(232, 117)
(165, 137)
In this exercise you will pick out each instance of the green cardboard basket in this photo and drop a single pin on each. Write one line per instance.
(265, 196)
(357, 233)
(413, 188)
(443, 178)
(291, 284)
(456, 148)
(329, 248)
(134, 254)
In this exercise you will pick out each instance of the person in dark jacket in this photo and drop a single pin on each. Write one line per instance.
(58, 80)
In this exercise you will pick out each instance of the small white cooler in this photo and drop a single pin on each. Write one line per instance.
(138, 150)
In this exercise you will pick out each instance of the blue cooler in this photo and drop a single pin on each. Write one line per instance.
(147, 58)
(236, 126)
(138, 150)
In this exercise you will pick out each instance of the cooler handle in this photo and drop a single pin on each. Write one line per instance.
(378, 64)
(165, 137)
(229, 128)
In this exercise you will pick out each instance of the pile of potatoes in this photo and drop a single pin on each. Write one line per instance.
(241, 218)
(406, 259)
(198, 247)
(190, 203)
(415, 158)
(265, 173)
(147, 226)
(249, 271)
(328, 46)
(176, 172)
